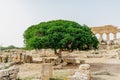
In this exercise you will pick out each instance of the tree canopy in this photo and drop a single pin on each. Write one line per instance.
(60, 34)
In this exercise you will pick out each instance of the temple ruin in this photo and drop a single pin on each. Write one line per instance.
(107, 29)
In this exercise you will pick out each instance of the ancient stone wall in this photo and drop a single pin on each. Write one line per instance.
(16, 56)
(107, 29)
(9, 73)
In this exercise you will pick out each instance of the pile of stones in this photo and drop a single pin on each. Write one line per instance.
(83, 73)
(8, 72)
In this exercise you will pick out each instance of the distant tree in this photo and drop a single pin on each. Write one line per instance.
(8, 47)
(60, 35)
(11, 47)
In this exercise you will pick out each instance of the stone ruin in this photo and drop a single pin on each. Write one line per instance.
(106, 54)
(21, 56)
(107, 29)
(83, 73)
(8, 72)
(75, 58)
(46, 72)
(8, 59)
(15, 56)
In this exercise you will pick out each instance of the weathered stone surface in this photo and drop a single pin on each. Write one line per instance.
(46, 71)
(94, 56)
(106, 29)
(9, 73)
(27, 58)
(84, 67)
(74, 61)
(60, 66)
(83, 73)
(118, 54)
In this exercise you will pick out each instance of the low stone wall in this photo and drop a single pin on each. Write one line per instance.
(83, 73)
(74, 61)
(9, 73)
(16, 58)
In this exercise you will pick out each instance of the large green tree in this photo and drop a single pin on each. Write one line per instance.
(60, 35)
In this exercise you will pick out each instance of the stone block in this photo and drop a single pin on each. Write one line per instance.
(9, 73)
(83, 73)
(84, 67)
(46, 71)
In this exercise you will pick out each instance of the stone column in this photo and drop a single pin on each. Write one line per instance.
(108, 38)
(115, 37)
(107, 35)
(101, 38)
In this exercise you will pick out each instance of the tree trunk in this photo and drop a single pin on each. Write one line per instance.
(59, 60)
(58, 53)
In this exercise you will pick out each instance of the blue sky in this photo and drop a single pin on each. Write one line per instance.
(17, 15)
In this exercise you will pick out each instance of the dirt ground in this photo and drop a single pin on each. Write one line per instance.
(105, 69)
(101, 69)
